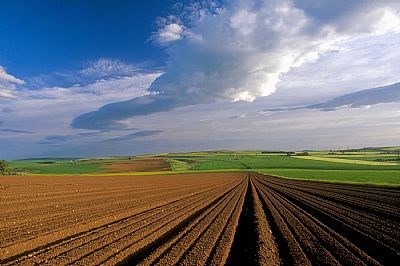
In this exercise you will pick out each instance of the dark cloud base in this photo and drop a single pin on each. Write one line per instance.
(385, 94)
(109, 117)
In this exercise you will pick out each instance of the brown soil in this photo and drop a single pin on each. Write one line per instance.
(92, 220)
(319, 223)
(139, 165)
(202, 219)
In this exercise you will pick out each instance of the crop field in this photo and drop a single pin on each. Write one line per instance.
(241, 218)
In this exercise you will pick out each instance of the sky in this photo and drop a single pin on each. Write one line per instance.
(105, 78)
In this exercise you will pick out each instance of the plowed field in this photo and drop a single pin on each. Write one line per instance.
(138, 165)
(195, 219)
(331, 224)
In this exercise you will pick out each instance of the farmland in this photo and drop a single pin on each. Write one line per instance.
(92, 220)
(364, 167)
(203, 208)
(240, 218)
(378, 166)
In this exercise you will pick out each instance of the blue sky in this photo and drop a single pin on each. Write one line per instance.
(50, 36)
(99, 78)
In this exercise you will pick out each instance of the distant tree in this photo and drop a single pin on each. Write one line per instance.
(5, 169)
(3, 166)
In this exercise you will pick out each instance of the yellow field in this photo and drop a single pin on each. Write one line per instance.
(338, 160)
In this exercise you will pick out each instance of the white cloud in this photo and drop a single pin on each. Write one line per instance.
(243, 51)
(8, 84)
(247, 48)
(108, 67)
(387, 20)
(53, 108)
(171, 32)
(359, 64)
(104, 89)
(7, 77)
(243, 21)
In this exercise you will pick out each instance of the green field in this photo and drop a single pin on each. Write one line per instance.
(379, 166)
(56, 166)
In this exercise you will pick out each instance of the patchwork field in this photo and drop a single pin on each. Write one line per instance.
(379, 166)
(242, 218)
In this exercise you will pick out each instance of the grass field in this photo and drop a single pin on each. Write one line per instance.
(56, 166)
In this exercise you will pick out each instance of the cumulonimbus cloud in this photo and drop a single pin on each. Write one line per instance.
(241, 51)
